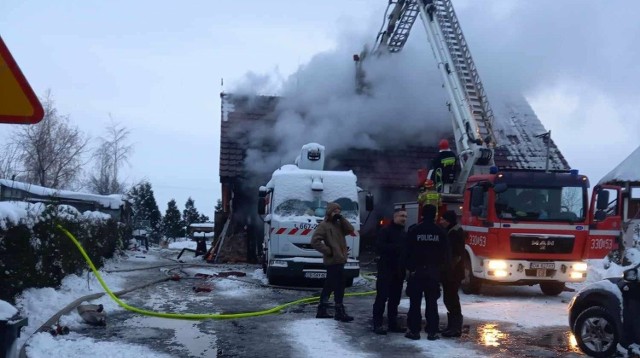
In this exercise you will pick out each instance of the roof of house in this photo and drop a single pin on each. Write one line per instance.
(394, 167)
(627, 171)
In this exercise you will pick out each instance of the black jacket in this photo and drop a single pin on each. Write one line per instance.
(456, 237)
(391, 247)
(427, 248)
(448, 163)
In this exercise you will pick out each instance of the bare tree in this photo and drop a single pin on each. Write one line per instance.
(113, 152)
(51, 152)
(9, 162)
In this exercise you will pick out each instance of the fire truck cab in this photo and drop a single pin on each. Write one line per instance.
(536, 227)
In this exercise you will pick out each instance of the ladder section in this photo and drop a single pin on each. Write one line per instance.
(465, 67)
(398, 26)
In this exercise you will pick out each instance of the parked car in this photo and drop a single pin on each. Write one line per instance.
(606, 313)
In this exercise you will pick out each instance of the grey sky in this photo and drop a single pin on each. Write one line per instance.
(156, 67)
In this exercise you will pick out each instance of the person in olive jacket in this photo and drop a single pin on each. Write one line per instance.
(452, 276)
(329, 239)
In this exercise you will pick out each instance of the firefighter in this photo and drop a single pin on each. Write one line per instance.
(452, 276)
(329, 239)
(428, 195)
(443, 167)
(390, 247)
(428, 251)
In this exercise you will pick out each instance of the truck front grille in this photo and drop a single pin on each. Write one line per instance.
(541, 244)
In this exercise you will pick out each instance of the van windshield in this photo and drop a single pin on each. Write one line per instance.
(542, 203)
(317, 208)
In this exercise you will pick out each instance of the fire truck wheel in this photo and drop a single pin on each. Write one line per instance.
(552, 288)
(470, 284)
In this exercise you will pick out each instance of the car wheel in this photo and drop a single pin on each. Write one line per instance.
(470, 285)
(596, 332)
(552, 288)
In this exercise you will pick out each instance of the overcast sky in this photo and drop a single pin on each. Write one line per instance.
(156, 67)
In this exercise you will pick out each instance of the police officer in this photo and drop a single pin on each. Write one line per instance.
(452, 276)
(390, 247)
(428, 251)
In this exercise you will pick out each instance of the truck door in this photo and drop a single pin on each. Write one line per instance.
(605, 218)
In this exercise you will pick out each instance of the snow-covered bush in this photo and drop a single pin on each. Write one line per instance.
(35, 253)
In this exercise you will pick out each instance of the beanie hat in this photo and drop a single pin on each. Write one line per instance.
(451, 217)
(429, 212)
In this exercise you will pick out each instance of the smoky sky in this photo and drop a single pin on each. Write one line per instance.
(519, 47)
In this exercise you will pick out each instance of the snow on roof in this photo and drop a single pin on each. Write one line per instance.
(628, 170)
(113, 201)
(202, 225)
(517, 128)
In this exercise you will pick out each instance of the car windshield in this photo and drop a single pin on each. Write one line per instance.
(544, 203)
(316, 208)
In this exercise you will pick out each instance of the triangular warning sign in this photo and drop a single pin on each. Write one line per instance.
(18, 103)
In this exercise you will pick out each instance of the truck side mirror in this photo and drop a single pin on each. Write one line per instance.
(261, 205)
(603, 200)
(368, 202)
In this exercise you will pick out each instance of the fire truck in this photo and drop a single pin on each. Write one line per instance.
(524, 226)
(293, 203)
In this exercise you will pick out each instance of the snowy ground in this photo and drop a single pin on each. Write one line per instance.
(498, 316)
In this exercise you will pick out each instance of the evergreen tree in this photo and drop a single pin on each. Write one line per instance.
(190, 214)
(203, 218)
(145, 209)
(172, 225)
(218, 207)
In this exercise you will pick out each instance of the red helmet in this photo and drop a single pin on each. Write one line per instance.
(444, 144)
(429, 184)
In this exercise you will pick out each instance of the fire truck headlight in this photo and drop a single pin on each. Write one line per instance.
(580, 266)
(497, 265)
(577, 275)
(501, 273)
(279, 263)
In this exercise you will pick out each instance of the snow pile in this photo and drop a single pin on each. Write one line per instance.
(43, 345)
(184, 243)
(17, 212)
(259, 275)
(7, 311)
(603, 268)
(319, 338)
(95, 216)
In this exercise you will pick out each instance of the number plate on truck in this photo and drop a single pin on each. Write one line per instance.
(543, 265)
(315, 275)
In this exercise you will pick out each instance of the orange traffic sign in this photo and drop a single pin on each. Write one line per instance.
(18, 103)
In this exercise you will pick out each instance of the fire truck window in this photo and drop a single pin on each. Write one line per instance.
(485, 201)
(544, 203)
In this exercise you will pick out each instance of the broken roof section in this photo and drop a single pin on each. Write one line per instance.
(387, 167)
(627, 171)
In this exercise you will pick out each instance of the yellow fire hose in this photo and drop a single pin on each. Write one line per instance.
(192, 316)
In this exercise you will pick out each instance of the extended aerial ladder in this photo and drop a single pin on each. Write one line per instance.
(468, 104)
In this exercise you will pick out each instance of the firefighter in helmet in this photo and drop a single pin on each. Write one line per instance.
(444, 167)
(429, 195)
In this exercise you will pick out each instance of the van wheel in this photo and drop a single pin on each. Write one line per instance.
(470, 284)
(552, 288)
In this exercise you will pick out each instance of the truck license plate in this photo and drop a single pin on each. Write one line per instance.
(541, 273)
(543, 265)
(316, 275)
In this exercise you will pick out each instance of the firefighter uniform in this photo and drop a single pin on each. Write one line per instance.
(428, 195)
(428, 252)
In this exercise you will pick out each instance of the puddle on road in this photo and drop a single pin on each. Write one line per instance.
(505, 338)
(187, 335)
